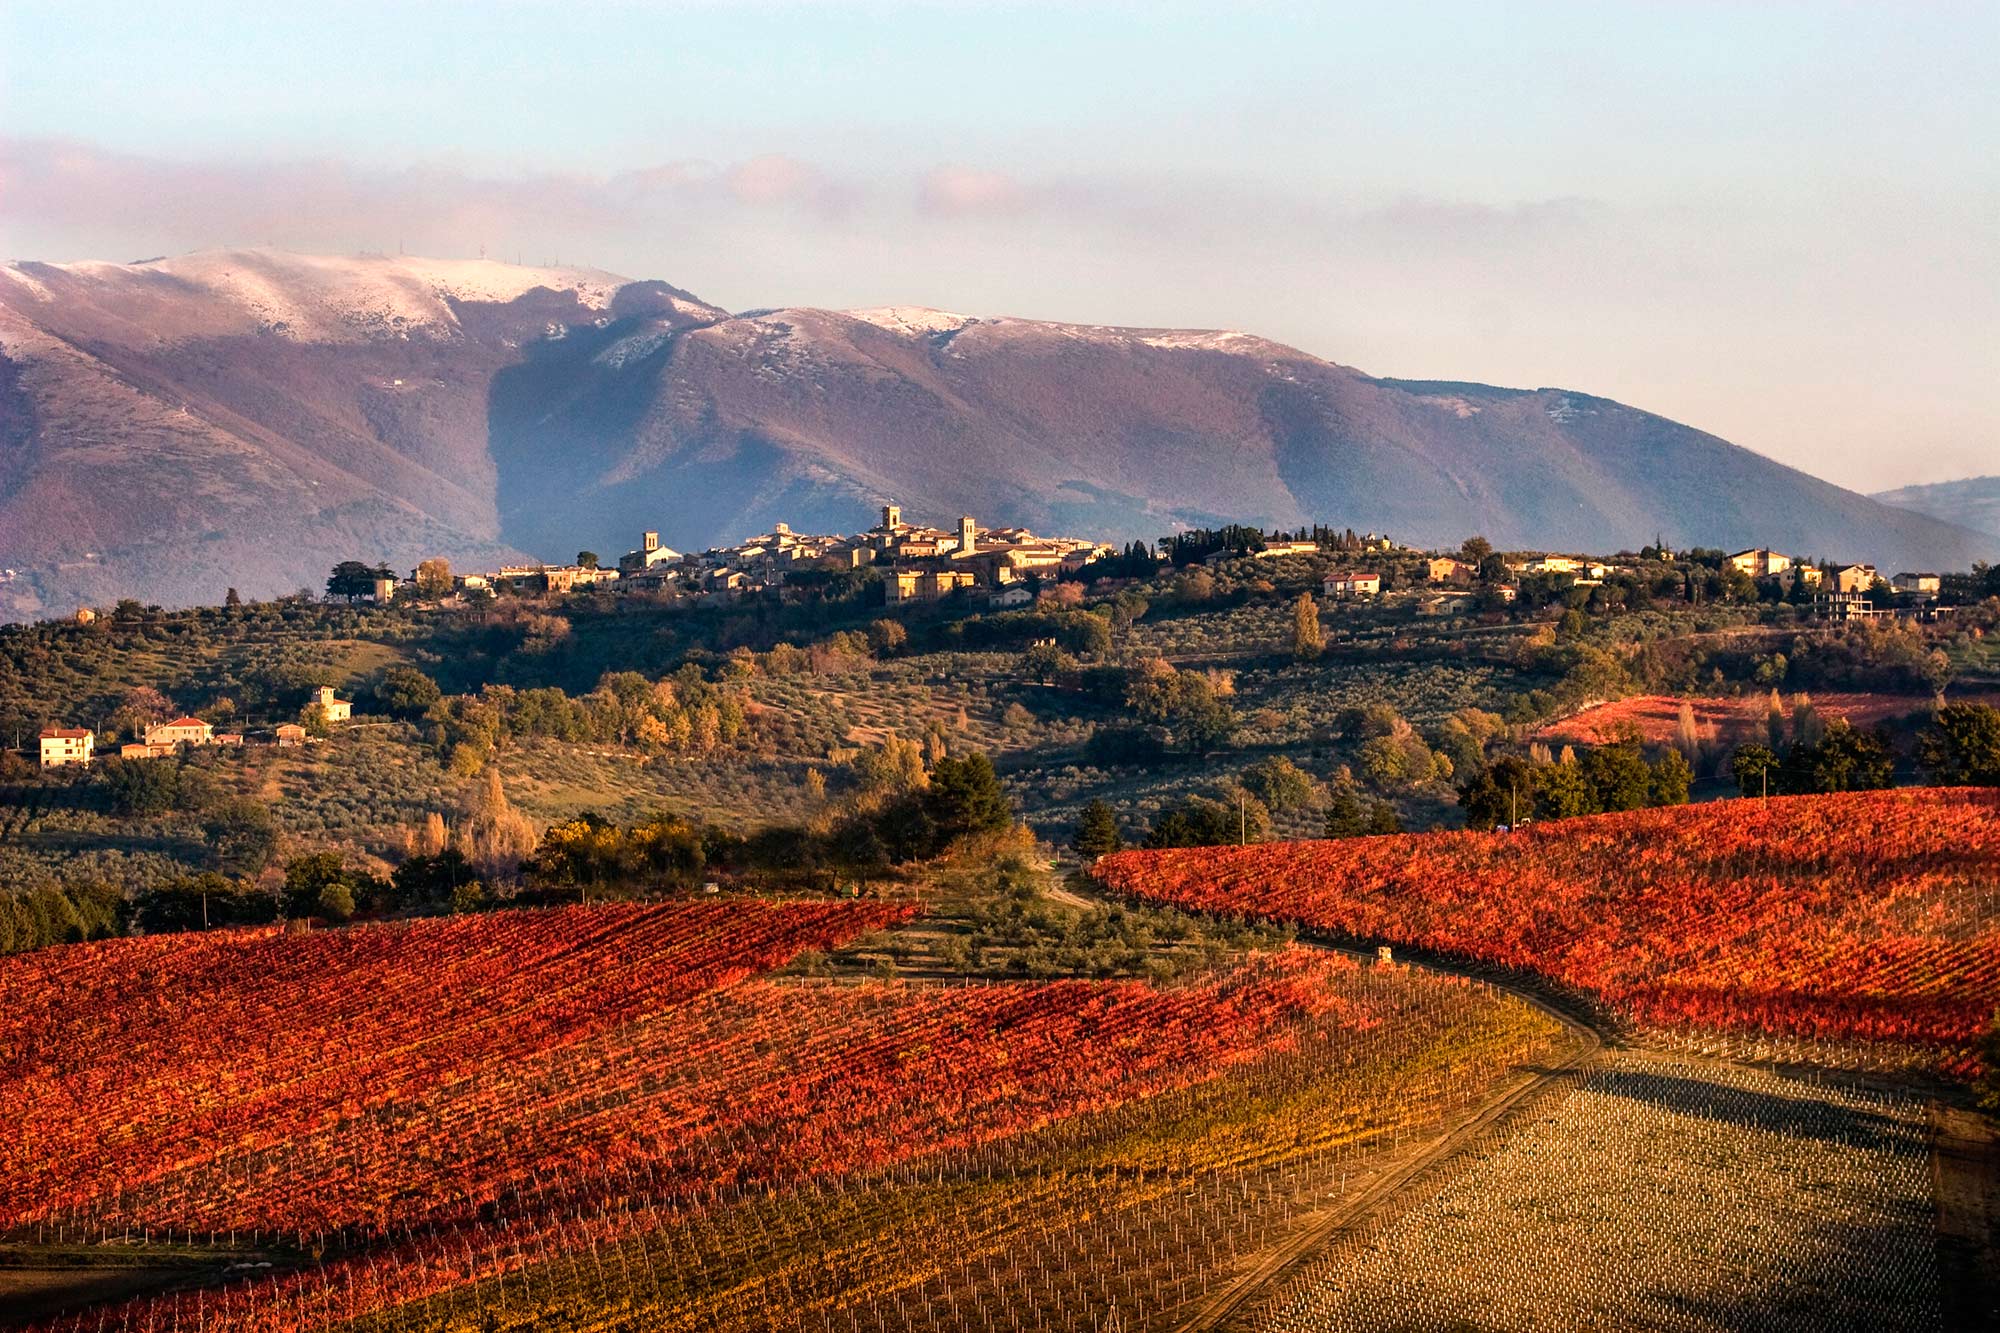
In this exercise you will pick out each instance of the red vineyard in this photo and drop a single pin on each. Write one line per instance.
(1870, 916)
(378, 1079)
(131, 1063)
(610, 1108)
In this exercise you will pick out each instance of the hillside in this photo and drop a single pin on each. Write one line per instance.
(1973, 502)
(247, 418)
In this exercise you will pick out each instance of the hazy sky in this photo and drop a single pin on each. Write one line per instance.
(1778, 222)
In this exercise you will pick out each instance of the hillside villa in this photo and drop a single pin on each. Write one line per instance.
(334, 710)
(1276, 550)
(62, 746)
(188, 731)
(1351, 584)
(1760, 562)
(1449, 569)
(180, 731)
(1854, 578)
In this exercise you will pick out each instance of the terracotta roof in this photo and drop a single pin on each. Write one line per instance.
(187, 722)
(64, 733)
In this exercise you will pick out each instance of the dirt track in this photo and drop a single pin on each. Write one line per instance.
(1966, 1169)
(1272, 1269)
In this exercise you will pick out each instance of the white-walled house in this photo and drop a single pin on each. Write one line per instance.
(62, 746)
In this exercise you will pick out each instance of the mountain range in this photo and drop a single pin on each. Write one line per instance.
(1972, 503)
(172, 427)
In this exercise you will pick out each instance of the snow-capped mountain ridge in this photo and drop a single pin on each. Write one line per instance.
(324, 298)
(248, 418)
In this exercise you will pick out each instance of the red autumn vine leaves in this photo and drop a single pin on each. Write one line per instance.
(1871, 916)
(383, 1078)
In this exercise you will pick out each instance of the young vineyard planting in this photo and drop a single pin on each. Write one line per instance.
(1659, 1194)
(1869, 917)
(610, 1118)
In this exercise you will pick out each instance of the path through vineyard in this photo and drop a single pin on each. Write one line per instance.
(1620, 1187)
(1657, 1192)
(1626, 1187)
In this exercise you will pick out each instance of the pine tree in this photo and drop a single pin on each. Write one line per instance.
(965, 796)
(1096, 832)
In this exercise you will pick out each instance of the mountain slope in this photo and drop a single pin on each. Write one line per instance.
(1971, 503)
(813, 416)
(236, 418)
(247, 418)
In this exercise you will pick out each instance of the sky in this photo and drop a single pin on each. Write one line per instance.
(1777, 222)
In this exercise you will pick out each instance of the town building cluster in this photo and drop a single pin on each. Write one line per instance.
(917, 563)
(1838, 592)
(1846, 592)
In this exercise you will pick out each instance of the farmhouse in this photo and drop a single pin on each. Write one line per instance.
(290, 736)
(1446, 569)
(1810, 575)
(1854, 578)
(181, 731)
(1760, 562)
(335, 710)
(1355, 583)
(1275, 550)
(141, 750)
(67, 745)
(1926, 584)
(1448, 604)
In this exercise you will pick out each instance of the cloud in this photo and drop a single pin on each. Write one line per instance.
(958, 191)
(81, 191)
(776, 180)
(54, 186)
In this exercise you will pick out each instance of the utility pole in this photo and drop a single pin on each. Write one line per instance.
(1513, 805)
(1242, 822)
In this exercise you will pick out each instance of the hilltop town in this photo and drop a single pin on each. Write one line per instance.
(914, 575)
(917, 563)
